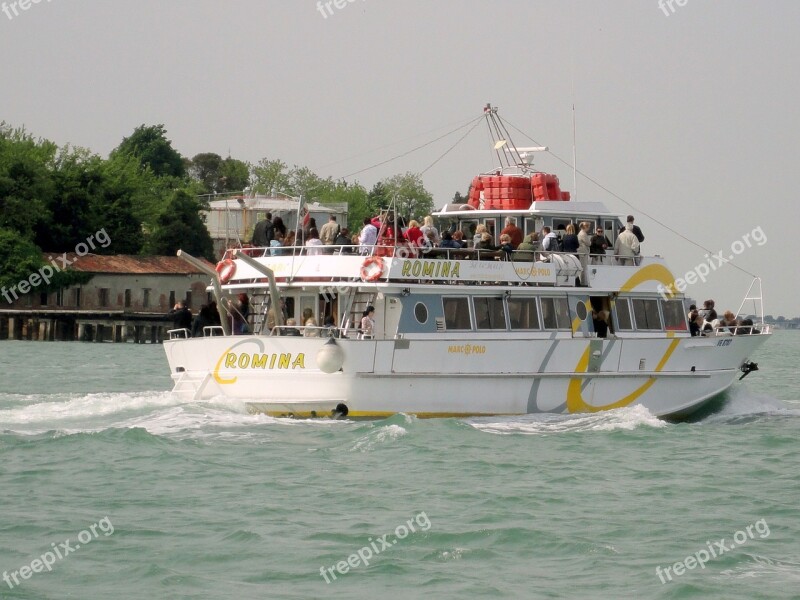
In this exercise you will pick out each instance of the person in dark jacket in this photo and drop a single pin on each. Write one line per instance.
(264, 232)
(636, 231)
(181, 316)
(570, 242)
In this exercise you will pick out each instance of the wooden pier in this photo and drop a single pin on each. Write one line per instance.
(83, 325)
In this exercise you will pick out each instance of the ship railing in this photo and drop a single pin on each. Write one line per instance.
(737, 330)
(261, 252)
(308, 331)
(179, 334)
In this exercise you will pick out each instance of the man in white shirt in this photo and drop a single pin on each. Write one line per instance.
(626, 248)
(368, 237)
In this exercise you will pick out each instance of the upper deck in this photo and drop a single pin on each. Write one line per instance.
(386, 265)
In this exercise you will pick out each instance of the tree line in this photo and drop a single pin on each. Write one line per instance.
(148, 197)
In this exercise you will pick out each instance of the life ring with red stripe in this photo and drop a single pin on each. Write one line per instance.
(226, 270)
(372, 268)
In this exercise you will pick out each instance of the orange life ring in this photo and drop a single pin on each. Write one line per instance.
(226, 269)
(372, 268)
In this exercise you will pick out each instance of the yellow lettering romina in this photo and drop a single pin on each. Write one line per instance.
(264, 361)
(435, 269)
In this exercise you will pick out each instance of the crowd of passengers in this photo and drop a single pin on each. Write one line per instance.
(705, 321)
(511, 244)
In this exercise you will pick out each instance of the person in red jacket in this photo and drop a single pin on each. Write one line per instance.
(514, 232)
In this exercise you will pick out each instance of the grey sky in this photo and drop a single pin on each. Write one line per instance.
(690, 117)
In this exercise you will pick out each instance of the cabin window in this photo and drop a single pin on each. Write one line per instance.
(421, 313)
(646, 314)
(523, 313)
(489, 313)
(622, 309)
(456, 314)
(674, 317)
(555, 313)
(560, 223)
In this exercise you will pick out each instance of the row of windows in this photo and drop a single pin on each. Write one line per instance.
(649, 314)
(498, 313)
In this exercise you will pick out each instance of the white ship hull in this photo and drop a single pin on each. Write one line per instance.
(459, 377)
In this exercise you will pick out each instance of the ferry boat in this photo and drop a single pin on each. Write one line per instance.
(461, 332)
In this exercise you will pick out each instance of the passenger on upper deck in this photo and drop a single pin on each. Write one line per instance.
(414, 233)
(526, 251)
(428, 227)
(570, 243)
(329, 231)
(514, 232)
(479, 231)
(626, 247)
(485, 246)
(343, 239)
(506, 246)
(368, 237)
(549, 240)
(449, 242)
(312, 224)
(313, 243)
(597, 247)
(263, 232)
(639, 236)
(584, 241)
(635, 228)
(458, 237)
(279, 228)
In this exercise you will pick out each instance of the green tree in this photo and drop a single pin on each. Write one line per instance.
(21, 259)
(234, 175)
(153, 150)
(205, 168)
(180, 226)
(304, 182)
(25, 179)
(412, 199)
(270, 176)
(352, 194)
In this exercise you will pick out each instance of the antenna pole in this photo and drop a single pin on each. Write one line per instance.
(574, 149)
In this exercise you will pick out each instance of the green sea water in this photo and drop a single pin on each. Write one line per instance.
(202, 500)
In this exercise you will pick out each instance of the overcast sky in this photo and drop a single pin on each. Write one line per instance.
(690, 114)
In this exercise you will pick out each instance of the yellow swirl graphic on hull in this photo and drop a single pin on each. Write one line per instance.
(575, 401)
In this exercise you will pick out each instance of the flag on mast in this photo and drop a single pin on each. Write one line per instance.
(303, 214)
